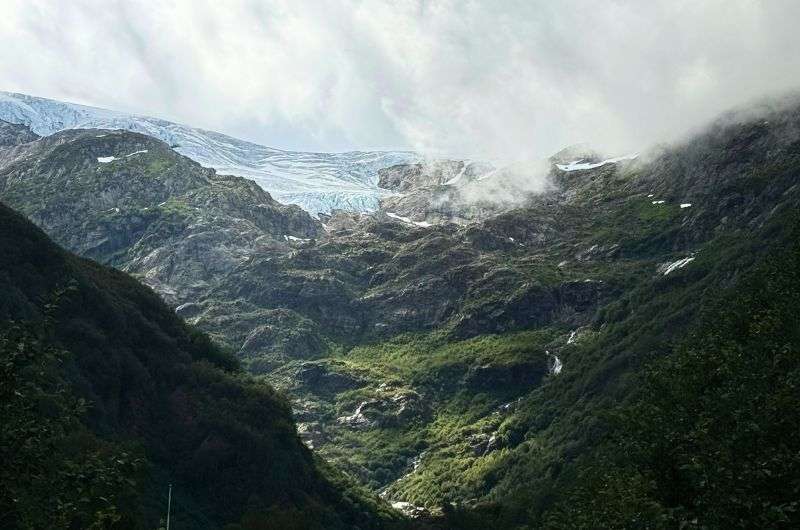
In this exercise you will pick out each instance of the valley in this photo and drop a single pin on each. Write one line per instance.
(453, 352)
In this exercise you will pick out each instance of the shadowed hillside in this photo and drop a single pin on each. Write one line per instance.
(137, 399)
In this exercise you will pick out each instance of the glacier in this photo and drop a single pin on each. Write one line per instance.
(317, 182)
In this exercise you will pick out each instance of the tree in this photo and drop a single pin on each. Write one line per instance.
(711, 440)
(55, 472)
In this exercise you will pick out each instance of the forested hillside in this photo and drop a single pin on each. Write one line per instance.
(108, 397)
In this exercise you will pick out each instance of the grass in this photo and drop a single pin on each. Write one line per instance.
(414, 356)
(436, 368)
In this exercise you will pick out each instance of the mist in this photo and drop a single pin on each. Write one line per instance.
(502, 81)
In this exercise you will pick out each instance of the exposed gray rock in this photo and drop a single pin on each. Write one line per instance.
(481, 444)
(15, 134)
(410, 510)
(403, 177)
(478, 443)
(284, 335)
(129, 200)
(367, 415)
(394, 410)
(312, 434)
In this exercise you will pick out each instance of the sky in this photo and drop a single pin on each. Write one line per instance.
(496, 79)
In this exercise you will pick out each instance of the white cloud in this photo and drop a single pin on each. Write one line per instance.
(509, 79)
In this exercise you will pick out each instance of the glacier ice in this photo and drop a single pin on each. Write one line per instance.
(317, 182)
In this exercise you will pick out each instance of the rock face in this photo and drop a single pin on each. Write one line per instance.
(284, 333)
(405, 177)
(385, 412)
(129, 200)
(15, 134)
(411, 510)
(482, 444)
(312, 434)
(321, 380)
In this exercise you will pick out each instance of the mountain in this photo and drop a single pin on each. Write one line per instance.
(13, 134)
(129, 200)
(318, 182)
(162, 404)
(464, 349)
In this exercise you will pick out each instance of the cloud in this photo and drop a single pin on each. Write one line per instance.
(507, 80)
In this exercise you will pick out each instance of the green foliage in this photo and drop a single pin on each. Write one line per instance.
(55, 472)
(137, 377)
(711, 441)
(206, 349)
(457, 380)
(427, 359)
(639, 226)
(175, 208)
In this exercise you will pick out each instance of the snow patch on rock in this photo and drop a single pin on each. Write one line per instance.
(407, 220)
(666, 268)
(578, 165)
(458, 177)
(295, 238)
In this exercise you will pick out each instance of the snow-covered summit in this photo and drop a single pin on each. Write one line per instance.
(318, 182)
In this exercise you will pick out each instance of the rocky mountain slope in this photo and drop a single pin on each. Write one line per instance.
(128, 200)
(13, 134)
(454, 347)
(108, 396)
(318, 182)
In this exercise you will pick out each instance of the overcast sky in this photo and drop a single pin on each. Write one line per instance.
(500, 79)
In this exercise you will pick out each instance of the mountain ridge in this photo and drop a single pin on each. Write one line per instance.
(319, 182)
